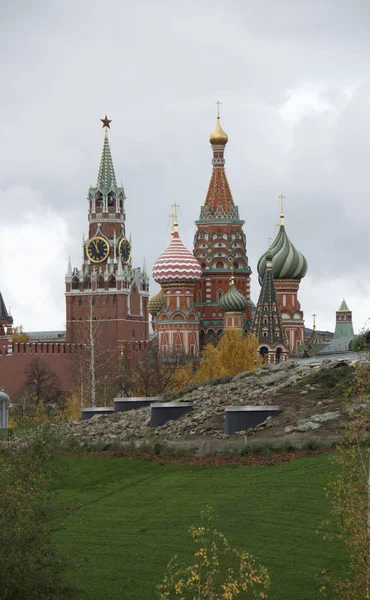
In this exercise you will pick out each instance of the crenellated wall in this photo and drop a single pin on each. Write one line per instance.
(57, 356)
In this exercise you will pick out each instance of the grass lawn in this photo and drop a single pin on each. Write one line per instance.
(130, 516)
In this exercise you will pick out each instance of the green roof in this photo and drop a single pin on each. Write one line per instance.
(106, 175)
(287, 261)
(3, 311)
(343, 307)
(267, 324)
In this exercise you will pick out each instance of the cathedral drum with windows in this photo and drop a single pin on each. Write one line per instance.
(176, 320)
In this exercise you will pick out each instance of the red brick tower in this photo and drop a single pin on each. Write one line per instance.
(6, 330)
(106, 280)
(219, 246)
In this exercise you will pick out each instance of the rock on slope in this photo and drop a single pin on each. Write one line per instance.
(303, 416)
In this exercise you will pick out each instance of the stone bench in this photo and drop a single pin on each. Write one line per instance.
(87, 413)
(124, 404)
(161, 413)
(240, 418)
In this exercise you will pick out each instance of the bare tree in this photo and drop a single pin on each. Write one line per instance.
(94, 362)
(156, 375)
(41, 383)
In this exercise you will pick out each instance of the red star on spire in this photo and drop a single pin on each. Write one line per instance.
(106, 122)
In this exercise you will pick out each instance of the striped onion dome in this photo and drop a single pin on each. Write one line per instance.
(233, 301)
(287, 261)
(176, 264)
(155, 304)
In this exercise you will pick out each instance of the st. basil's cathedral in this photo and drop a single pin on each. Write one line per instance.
(203, 291)
(207, 291)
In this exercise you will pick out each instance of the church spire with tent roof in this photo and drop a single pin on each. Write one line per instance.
(267, 325)
(220, 246)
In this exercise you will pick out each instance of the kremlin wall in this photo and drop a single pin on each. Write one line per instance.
(204, 290)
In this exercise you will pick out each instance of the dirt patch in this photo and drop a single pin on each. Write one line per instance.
(254, 460)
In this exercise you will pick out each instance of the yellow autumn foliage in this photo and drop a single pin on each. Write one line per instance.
(217, 570)
(233, 354)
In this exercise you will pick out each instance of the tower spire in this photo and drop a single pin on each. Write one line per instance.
(219, 202)
(106, 176)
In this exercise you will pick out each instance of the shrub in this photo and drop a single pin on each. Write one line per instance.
(30, 566)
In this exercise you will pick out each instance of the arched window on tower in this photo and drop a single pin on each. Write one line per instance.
(111, 200)
(100, 282)
(220, 264)
(87, 283)
(99, 202)
(211, 335)
(75, 283)
(112, 281)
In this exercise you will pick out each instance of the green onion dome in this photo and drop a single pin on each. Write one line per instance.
(287, 261)
(233, 301)
(155, 304)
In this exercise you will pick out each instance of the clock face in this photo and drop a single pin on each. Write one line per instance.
(97, 249)
(124, 250)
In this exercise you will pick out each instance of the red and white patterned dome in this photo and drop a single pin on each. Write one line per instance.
(176, 264)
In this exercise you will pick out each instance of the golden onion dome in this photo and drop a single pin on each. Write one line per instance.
(218, 136)
(155, 304)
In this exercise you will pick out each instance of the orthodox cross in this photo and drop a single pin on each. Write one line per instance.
(172, 217)
(218, 108)
(314, 321)
(281, 198)
(175, 207)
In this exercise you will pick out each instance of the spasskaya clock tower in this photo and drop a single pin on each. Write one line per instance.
(107, 289)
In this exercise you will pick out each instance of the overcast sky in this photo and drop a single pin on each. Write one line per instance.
(294, 82)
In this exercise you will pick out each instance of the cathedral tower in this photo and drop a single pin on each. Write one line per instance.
(268, 324)
(177, 322)
(289, 266)
(220, 247)
(107, 288)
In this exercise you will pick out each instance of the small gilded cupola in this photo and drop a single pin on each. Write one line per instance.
(218, 137)
(287, 261)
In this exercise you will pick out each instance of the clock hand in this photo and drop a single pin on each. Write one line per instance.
(96, 246)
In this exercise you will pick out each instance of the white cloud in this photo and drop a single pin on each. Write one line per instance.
(293, 82)
(32, 260)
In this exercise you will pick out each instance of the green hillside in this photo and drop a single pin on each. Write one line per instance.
(130, 516)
